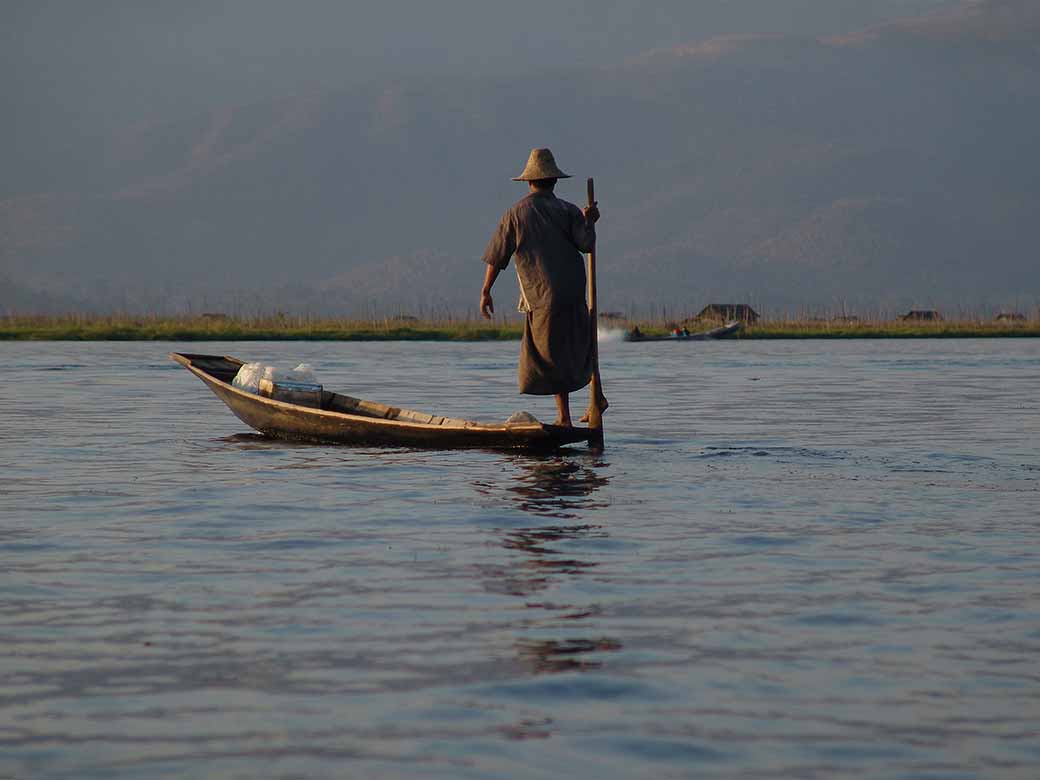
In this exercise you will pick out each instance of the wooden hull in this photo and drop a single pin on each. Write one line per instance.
(349, 420)
(715, 333)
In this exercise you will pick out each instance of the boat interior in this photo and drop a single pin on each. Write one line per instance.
(225, 369)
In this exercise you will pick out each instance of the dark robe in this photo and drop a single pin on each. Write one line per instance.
(547, 235)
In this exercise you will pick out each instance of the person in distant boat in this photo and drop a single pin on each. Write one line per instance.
(547, 235)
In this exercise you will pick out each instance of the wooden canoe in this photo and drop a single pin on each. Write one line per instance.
(707, 335)
(348, 420)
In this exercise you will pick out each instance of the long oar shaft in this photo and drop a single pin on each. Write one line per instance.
(595, 387)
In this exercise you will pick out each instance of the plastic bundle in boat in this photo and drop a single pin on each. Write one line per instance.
(248, 377)
(521, 418)
(302, 374)
(298, 386)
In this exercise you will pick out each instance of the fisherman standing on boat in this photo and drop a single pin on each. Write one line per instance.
(547, 235)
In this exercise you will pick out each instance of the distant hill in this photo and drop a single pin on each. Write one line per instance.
(892, 167)
(1005, 26)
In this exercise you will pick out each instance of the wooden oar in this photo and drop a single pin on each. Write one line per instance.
(597, 402)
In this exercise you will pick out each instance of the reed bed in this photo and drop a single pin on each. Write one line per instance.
(847, 328)
(886, 329)
(301, 328)
(265, 328)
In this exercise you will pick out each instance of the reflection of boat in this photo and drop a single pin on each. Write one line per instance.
(341, 418)
(705, 335)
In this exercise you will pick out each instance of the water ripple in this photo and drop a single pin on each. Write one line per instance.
(826, 572)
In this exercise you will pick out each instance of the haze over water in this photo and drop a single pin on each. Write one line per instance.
(794, 559)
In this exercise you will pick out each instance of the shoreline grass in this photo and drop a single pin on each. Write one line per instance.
(892, 329)
(210, 328)
(282, 328)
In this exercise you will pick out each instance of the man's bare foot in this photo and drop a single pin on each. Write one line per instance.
(603, 405)
(566, 423)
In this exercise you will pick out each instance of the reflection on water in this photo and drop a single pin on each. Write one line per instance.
(567, 655)
(543, 564)
(556, 486)
(560, 488)
(536, 541)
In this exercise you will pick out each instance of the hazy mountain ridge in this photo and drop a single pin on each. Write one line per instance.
(788, 170)
(974, 23)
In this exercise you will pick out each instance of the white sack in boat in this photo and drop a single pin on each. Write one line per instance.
(303, 373)
(249, 376)
(521, 417)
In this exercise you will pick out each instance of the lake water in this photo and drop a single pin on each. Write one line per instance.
(794, 559)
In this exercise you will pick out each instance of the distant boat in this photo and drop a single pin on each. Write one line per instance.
(705, 335)
(343, 419)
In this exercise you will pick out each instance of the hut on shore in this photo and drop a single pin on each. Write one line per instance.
(1010, 316)
(922, 315)
(729, 311)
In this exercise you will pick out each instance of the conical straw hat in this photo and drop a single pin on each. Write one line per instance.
(541, 165)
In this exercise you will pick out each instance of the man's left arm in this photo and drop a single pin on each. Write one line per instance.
(487, 305)
(496, 257)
